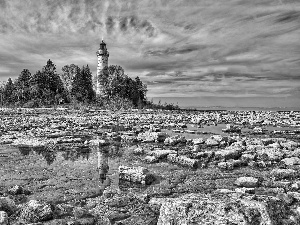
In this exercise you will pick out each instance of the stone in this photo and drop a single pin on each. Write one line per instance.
(245, 190)
(290, 161)
(136, 174)
(183, 160)
(218, 138)
(227, 154)
(212, 142)
(198, 141)
(283, 173)
(175, 140)
(160, 154)
(139, 151)
(221, 209)
(3, 218)
(248, 182)
(270, 154)
(267, 141)
(225, 165)
(151, 159)
(34, 211)
(8, 205)
(248, 157)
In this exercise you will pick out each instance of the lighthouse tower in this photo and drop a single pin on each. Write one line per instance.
(102, 55)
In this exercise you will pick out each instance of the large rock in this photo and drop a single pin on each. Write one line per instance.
(270, 154)
(283, 173)
(198, 141)
(135, 174)
(35, 211)
(230, 153)
(248, 182)
(183, 160)
(222, 210)
(175, 140)
(152, 136)
(218, 138)
(8, 205)
(212, 142)
(151, 159)
(160, 154)
(290, 161)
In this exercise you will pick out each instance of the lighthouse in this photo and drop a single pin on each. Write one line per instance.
(102, 55)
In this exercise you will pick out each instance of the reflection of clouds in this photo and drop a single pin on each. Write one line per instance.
(178, 48)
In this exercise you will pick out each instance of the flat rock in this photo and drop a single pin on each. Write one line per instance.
(283, 173)
(160, 154)
(221, 209)
(248, 182)
(35, 211)
(136, 174)
(290, 161)
(183, 160)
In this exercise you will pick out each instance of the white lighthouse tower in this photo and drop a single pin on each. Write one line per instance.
(102, 55)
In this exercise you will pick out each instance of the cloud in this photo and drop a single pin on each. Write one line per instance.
(179, 48)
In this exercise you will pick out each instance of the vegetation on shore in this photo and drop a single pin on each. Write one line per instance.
(75, 87)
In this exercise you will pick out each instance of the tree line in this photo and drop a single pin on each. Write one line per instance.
(74, 85)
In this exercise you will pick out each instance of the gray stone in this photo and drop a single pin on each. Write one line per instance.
(35, 211)
(135, 174)
(160, 154)
(183, 160)
(290, 161)
(283, 173)
(227, 154)
(198, 141)
(221, 209)
(151, 159)
(248, 182)
(212, 142)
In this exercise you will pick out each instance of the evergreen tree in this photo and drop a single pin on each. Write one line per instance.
(82, 86)
(67, 77)
(47, 86)
(8, 92)
(117, 83)
(22, 86)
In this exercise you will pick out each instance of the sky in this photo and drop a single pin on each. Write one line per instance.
(210, 49)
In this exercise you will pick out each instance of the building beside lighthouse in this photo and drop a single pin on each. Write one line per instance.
(102, 55)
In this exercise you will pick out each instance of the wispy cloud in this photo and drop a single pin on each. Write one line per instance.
(179, 48)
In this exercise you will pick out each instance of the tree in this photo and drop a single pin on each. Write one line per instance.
(117, 83)
(22, 86)
(47, 87)
(8, 92)
(82, 86)
(67, 77)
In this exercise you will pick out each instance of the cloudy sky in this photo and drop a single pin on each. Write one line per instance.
(216, 49)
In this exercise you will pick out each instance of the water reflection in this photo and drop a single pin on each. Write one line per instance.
(25, 150)
(49, 153)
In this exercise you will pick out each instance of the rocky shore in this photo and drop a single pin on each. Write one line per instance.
(163, 168)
